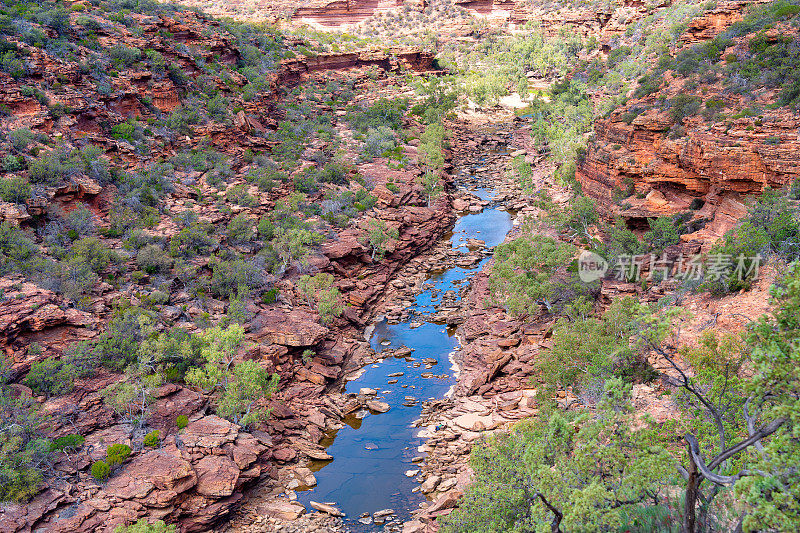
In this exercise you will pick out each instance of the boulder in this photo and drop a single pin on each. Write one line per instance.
(216, 476)
(326, 508)
(294, 328)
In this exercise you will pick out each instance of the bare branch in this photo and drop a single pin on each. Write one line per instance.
(707, 470)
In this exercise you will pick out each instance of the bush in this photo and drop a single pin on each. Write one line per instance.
(153, 259)
(14, 190)
(772, 227)
(117, 453)
(17, 252)
(237, 387)
(378, 142)
(238, 195)
(229, 276)
(383, 112)
(663, 233)
(20, 138)
(52, 167)
(531, 272)
(91, 251)
(192, 240)
(240, 229)
(100, 470)
(182, 421)
(68, 442)
(23, 451)
(118, 346)
(152, 439)
(142, 526)
(333, 173)
(684, 106)
(56, 376)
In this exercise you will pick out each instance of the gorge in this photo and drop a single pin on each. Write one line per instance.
(320, 266)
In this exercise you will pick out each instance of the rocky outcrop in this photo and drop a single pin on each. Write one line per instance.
(643, 162)
(296, 70)
(341, 12)
(195, 476)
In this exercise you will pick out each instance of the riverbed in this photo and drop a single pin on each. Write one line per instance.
(375, 455)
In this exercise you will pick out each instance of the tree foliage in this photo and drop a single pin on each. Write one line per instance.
(238, 387)
(570, 472)
(531, 272)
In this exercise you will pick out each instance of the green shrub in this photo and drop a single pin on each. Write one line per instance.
(100, 470)
(270, 296)
(182, 421)
(229, 276)
(56, 376)
(52, 167)
(17, 252)
(531, 272)
(23, 450)
(152, 439)
(68, 442)
(124, 56)
(20, 138)
(238, 195)
(306, 182)
(620, 241)
(240, 229)
(142, 526)
(192, 240)
(772, 227)
(383, 112)
(683, 106)
(153, 259)
(14, 190)
(333, 173)
(116, 454)
(118, 346)
(663, 233)
(91, 251)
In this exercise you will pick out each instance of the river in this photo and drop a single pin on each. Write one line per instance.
(374, 454)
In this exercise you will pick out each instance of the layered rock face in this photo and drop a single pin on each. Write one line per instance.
(341, 12)
(293, 71)
(647, 159)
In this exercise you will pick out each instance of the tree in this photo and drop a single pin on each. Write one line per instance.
(581, 215)
(328, 298)
(432, 185)
(754, 445)
(293, 244)
(565, 472)
(430, 147)
(23, 449)
(532, 271)
(237, 387)
(379, 234)
(587, 351)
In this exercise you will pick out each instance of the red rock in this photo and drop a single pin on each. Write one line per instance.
(216, 476)
(289, 328)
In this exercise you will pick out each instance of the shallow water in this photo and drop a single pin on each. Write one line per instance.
(372, 454)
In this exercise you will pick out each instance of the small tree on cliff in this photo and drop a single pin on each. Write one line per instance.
(532, 271)
(432, 157)
(237, 387)
(379, 234)
(320, 288)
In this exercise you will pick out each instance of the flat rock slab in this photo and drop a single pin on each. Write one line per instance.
(294, 328)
